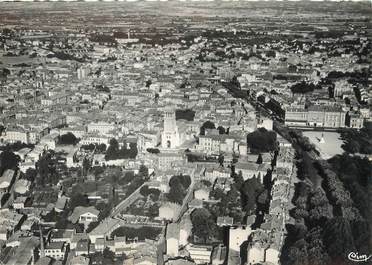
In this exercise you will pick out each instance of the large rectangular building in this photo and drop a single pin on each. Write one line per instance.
(316, 116)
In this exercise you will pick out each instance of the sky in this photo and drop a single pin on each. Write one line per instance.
(183, 0)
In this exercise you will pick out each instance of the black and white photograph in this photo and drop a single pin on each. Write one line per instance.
(185, 132)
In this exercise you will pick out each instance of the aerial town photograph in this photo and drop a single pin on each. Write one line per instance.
(185, 132)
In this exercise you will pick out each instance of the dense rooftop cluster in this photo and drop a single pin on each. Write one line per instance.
(170, 138)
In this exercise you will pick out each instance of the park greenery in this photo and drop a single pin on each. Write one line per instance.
(104, 211)
(195, 157)
(112, 177)
(222, 130)
(61, 221)
(15, 146)
(114, 151)
(99, 148)
(250, 191)
(186, 114)
(127, 182)
(46, 168)
(242, 200)
(148, 204)
(206, 125)
(355, 174)
(68, 138)
(107, 257)
(4, 72)
(102, 88)
(262, 140)
(204, 227)
(141, 233)
(153, 150)
(8, 160)
(144, 207)
(357, 141)
(178, 188)
(64, 56)
(332, 215)
(150, 192)
(304, 87)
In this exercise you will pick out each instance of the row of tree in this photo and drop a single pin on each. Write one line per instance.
(357, 141)
(330, 223)
(145, 232)
(100, 148)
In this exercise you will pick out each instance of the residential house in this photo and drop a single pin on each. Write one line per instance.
(225, 221)
(250, 170)
(200, 254)
(202, 193)
(62, 235)
(7, 179)
(104, 229)
(79, 260)
(219, 255)
(82, 248)
(10, 222)
(56, 250)
(185, 230)
(84, 215)
(169, 211)
(172, 239)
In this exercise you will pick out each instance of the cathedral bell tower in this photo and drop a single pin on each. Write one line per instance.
(170, 136)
